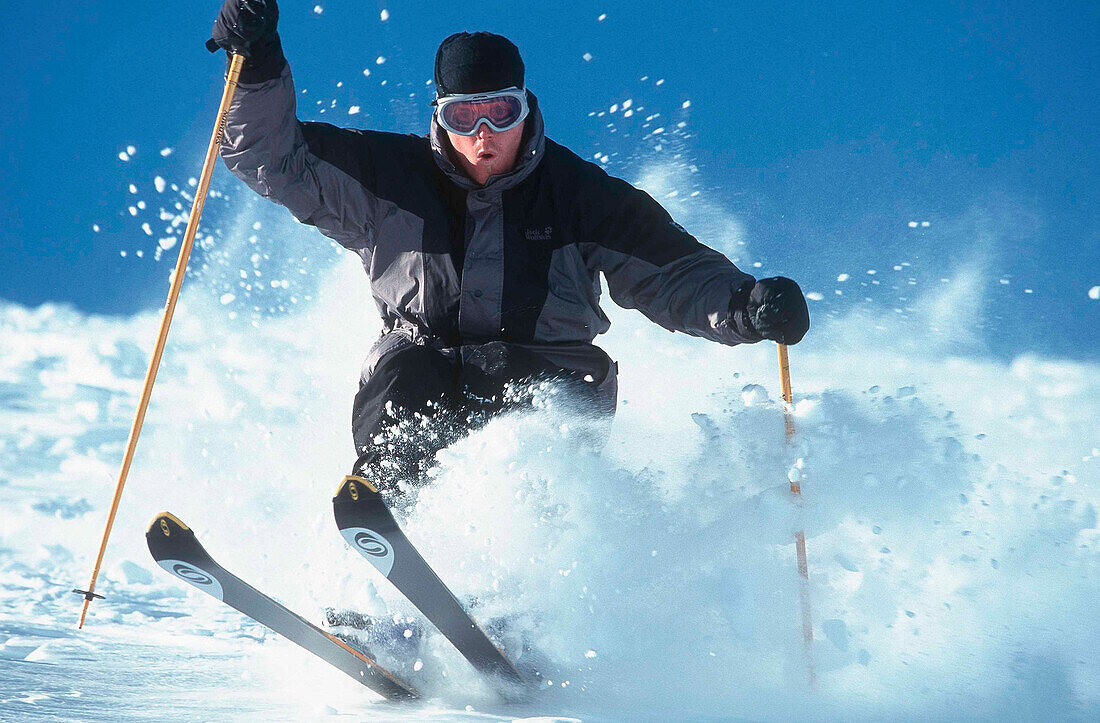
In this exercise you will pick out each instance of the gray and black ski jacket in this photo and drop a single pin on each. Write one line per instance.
(456, 265)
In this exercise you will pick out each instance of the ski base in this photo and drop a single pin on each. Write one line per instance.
(367, 524)
(176, 549)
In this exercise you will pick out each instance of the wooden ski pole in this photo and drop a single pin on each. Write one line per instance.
(800, 535)
(233, 74)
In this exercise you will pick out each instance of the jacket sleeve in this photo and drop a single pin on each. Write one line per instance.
(652, 264)
(294, 164)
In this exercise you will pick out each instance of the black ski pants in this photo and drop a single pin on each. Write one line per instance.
(414, 400)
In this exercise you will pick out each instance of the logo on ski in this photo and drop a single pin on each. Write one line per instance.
(190, 574)
(372, 546)
(200, 579)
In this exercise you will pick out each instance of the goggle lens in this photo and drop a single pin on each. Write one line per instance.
(464, 116)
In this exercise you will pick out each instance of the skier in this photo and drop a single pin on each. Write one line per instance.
(483, 242)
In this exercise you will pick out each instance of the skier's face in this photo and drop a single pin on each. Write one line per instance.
(487, 153)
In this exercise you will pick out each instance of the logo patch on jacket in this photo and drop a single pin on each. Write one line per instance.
(538, 234)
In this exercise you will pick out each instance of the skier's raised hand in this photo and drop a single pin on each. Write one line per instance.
(776, 310)
(245, 27)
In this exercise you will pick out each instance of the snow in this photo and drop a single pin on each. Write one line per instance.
(948, 572)
(1094, 293)
(384, 15)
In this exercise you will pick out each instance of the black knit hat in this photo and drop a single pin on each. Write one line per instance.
(477, 63)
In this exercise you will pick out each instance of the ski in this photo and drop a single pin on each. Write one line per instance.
(176, 549)
(367, 524)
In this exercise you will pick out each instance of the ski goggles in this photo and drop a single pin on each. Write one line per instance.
(501, 110)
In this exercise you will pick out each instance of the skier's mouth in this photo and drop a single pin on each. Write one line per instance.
(485, 155)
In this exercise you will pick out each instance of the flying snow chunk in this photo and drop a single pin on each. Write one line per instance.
(686, 104)
(165, 152)
(133, 188)
(603, 16)
(147, 228)
(842, 278)
(354, 110)
(384, 15)
(131, 150)
(160, 184)
(95, 227)
(227, 299)
(587, 57)
(913, 224)
(1094, 293)
(366, 72)
(123, 156)
(318, 9)
(380, 60)
(590, 654)
(167, 242)
(814, 296)
(925, 224)
(753, 395)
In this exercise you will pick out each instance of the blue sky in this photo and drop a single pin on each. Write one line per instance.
(825, 130)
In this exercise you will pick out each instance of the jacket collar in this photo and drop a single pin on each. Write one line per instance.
(529, 155)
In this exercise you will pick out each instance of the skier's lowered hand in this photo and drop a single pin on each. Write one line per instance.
(246, 27)
(775, 309)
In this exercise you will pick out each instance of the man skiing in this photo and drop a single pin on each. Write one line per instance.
(483, 241)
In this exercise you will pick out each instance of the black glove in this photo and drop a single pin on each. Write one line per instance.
(772, 309)
(244, 25)
(248, 28)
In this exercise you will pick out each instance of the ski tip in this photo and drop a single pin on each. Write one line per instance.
(352, 485)
(165, 523)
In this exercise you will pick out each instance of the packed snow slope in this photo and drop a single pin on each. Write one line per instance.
(950, 509)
